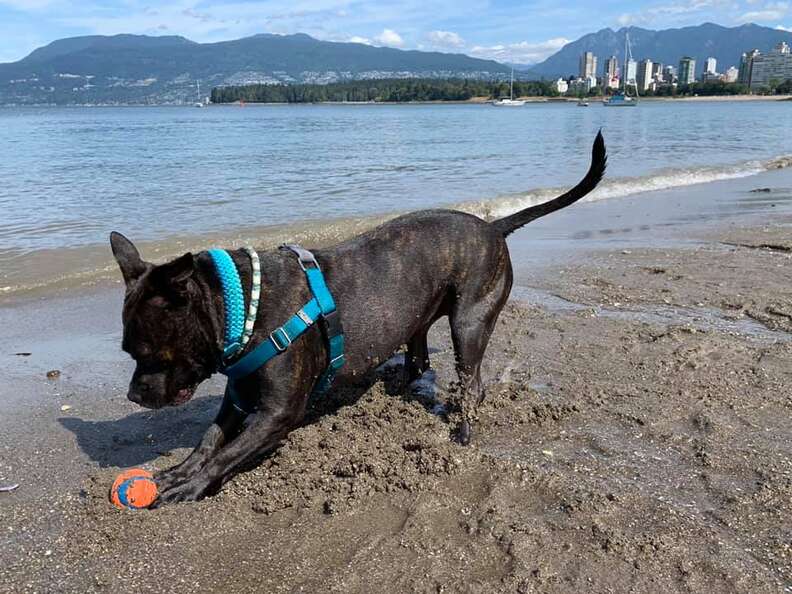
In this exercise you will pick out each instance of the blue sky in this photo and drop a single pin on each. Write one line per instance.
(509, 30)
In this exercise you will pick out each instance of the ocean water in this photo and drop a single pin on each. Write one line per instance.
(181, 176)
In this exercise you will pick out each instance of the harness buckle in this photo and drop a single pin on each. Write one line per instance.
(331, 323)
(304, 257)
(310, 262)
(281, 344)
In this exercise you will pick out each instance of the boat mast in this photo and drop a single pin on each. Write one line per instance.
(624, 76)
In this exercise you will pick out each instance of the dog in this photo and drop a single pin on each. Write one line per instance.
(390, 284)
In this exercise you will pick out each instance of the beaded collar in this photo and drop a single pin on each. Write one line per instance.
(238, 326)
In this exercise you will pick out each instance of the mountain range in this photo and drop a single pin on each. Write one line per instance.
(726, 44)
(140, 69)
(170, 69)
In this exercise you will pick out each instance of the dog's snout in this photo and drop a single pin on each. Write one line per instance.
(138, 390)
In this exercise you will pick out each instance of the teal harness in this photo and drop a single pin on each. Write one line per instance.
(321, 308)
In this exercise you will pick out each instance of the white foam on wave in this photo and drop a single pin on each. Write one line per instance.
(88, 265)
(627, 186)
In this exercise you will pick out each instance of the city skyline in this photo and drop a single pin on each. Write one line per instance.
(504, 30)
(755, 70)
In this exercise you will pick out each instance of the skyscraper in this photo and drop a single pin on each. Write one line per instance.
(657, 71)
(632, 71)
(746, 67)
(644, 78)
(775, 65)
(588, 65)
(731, 75)
(687, 70)
(612, 67)
(710, 66)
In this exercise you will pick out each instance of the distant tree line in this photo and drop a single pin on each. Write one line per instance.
(378, 91)
(717, 87)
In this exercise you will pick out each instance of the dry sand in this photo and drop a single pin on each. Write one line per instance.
(636, 437)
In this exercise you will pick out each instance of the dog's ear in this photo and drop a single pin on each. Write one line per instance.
(129, 261)
(173, 277)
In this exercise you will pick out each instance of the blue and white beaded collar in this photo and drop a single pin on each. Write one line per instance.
(238, 326)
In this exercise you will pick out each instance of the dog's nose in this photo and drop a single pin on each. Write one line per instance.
(137, 391)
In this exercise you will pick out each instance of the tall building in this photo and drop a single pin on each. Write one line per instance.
(657, 71)
(669, 74)
(588, 65)
(687, 71)
(644, 78)
(730, 76)
(775, 65)
(632, 71)
(710, 66)
(612, 73)
(745, 75)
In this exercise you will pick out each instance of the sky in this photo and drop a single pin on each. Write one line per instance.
(521, 31)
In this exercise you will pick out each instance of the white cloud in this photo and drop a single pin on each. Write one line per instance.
(523, 52)
(676, 12)
(359, 39)
(446, 39)
(770, 12)
(389, 37)
(782, 28)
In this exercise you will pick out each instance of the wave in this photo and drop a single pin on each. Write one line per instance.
(48, 271)
(664, 179)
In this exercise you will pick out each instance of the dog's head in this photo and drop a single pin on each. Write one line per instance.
(167, 329)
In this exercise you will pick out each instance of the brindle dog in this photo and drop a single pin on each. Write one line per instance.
(390, 284)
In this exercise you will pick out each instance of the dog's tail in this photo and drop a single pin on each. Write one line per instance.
(599, 159)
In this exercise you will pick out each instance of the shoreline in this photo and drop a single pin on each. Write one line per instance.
(635, 425)
(471, 101)
(83, 267)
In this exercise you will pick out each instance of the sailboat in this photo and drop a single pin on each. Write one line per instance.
(200, 102)
(623, 98)
(511, 101)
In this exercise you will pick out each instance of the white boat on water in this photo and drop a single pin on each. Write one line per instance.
(623, 99)
(200, 102)
(511, 101)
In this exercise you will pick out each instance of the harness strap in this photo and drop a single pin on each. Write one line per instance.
(278, 341)
(320, 308)
(330, 320)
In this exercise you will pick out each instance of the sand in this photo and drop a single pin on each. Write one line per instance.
(635, 438)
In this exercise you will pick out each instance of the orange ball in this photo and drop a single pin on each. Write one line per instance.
(133, 489)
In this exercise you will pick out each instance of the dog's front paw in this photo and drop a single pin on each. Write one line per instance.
(167, 479)
(191, 490)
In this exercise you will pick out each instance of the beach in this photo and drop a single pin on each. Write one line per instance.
(635, 436)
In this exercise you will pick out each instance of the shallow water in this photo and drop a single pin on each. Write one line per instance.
(177, 176)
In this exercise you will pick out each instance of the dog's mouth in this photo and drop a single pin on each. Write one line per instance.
(183, 395)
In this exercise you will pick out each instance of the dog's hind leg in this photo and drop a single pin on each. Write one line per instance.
(471, 327)
(416, 361)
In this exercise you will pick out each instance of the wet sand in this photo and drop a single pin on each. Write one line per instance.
(635, 436)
